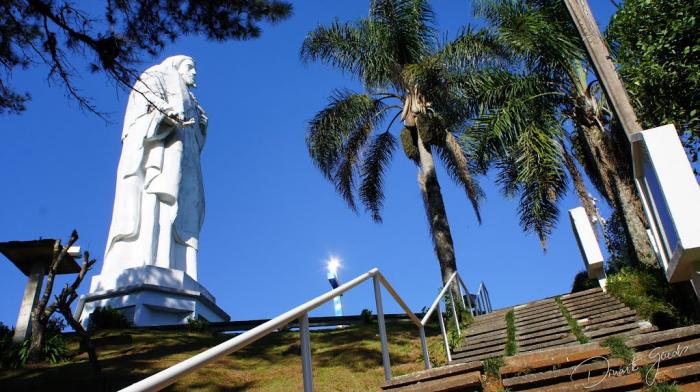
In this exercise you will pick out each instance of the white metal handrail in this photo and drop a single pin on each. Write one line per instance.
(480, 297)
(170, 375)
(483, 294)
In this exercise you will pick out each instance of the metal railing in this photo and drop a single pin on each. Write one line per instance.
(172, 374)
(479, 303)
(484, 300)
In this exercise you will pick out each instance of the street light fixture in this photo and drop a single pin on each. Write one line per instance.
(333, 265)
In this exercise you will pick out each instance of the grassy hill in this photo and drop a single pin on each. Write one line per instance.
(345, 359)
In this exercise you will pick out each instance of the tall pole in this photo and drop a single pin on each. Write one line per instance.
(604, 68)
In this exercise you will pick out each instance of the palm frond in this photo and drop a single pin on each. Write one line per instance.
(472, 49)
(341, 45)
(456, 163)
(539, 32)
(542, 175)
(412, 31)
(337, 134)
(376, 161)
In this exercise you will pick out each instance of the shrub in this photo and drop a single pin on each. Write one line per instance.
(107, 318)
(55, 349)
(197, 325)
(582, 282)
(366, 316)
(16, 355)
(644, 291)
(492, 366)
(7, 349)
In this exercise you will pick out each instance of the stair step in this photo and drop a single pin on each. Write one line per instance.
(552, 357)
(424, 376)
(534, 308)
(605, 316)
(461, 382)
(545, 338)
(664, 337)
(609, 323)
(538, 320)
(597, 309)
(558, 375)
(469, 345)
(581, 293)
(577, 371)
(616, 329)
(536, 315)
(541, 327)
(571, 340)
(627, 382)
(480, 357)
(604, 300)
(498, 349)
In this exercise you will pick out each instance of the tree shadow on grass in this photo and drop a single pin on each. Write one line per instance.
(356, 357)
(214, 386)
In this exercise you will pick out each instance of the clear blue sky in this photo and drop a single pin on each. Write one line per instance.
(272, 221)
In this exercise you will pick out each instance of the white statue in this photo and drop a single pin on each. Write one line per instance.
(159, 200)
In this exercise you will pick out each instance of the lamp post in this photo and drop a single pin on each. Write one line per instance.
(333, 265)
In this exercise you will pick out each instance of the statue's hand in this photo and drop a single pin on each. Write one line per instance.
(175, 118)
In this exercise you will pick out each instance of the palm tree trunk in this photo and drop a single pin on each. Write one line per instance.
(619, 192)
(631, 208)
(579, 186)
(437, 216)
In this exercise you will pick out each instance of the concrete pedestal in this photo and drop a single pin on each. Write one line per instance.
(151, 295)
(23, 328)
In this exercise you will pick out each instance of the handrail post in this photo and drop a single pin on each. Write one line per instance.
(488, 299)
(382, 329)
(444, 334)
(454, 313)
(306, 352)
(459, 288)
(424, 347)
(469, 296)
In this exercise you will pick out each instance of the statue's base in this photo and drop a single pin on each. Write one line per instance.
(149, 296)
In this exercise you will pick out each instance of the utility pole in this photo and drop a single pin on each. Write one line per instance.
(603, 66)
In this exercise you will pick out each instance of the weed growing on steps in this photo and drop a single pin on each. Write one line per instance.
(663, 388)
(618, 348)
(575, 328)
(511, 343)
(492, 366)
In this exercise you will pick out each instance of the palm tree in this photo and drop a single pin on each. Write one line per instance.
(525, 107)
(407, 76)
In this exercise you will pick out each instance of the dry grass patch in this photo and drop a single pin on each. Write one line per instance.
(346, 359)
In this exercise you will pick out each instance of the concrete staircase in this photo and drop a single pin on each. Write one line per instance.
(551, 358)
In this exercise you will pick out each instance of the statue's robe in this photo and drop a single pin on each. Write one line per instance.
(159, 179)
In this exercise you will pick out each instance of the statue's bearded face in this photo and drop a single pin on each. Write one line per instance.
(188, 73)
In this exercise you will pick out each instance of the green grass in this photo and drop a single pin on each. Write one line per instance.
(575, 328)
(646, 293)
(343, 359)
(492, 366)
(618, 348)
(511, 342)
(663, 388)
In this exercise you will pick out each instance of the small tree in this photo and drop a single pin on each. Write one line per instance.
(41, 314)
